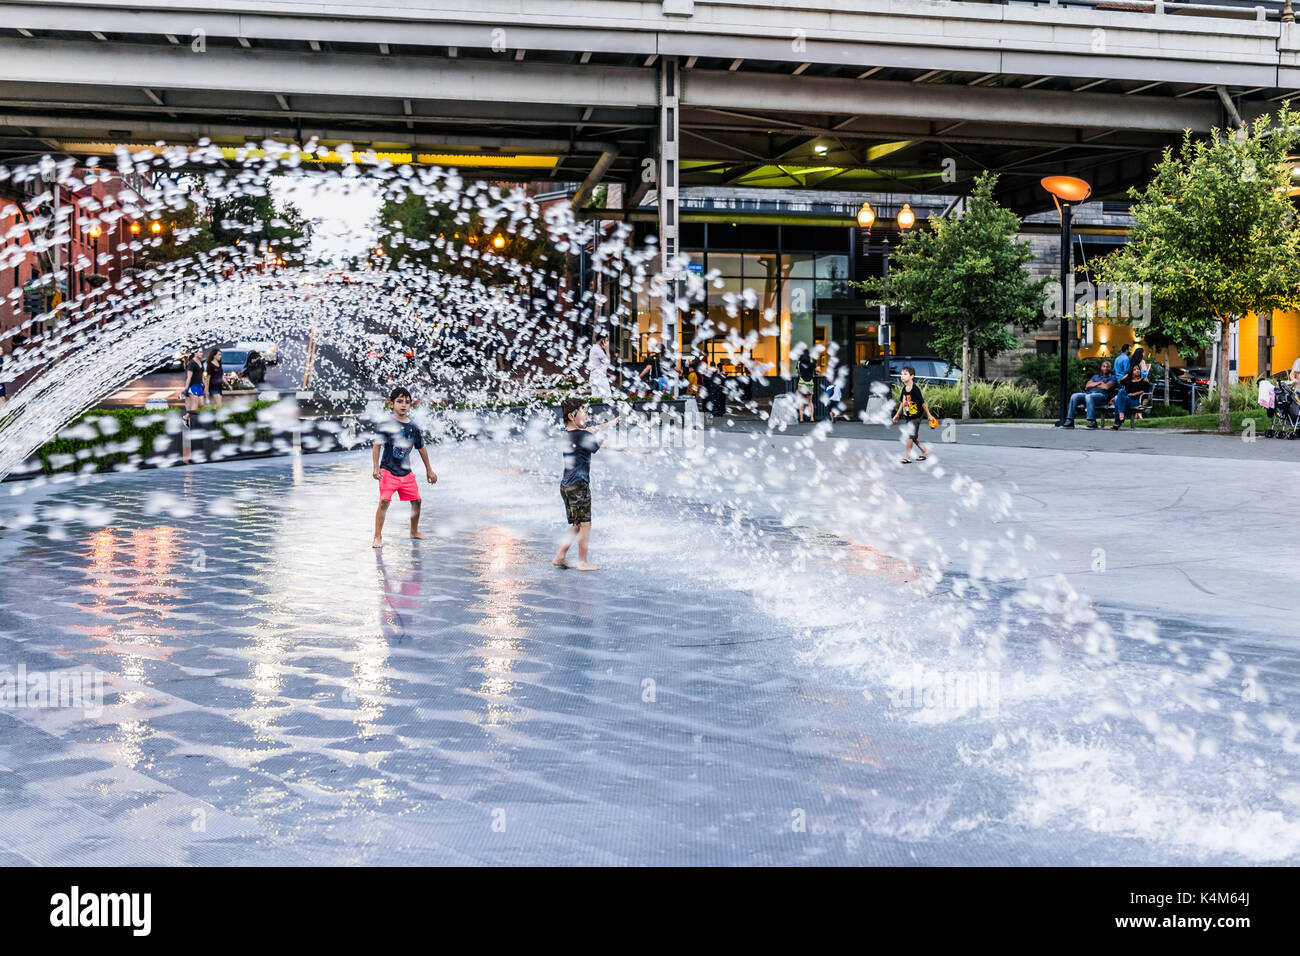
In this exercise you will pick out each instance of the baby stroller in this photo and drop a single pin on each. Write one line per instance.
(1285, 410)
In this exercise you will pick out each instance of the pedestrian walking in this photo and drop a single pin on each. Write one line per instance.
(806, 383)
(255, 368)
(598, 367)
(833, 400)
(911, 405)
(652, 369)
(215, 376)
(192, 390)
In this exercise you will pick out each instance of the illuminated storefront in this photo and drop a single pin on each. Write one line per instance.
(799, 261)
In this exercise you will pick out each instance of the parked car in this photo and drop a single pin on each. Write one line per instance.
(930, 369)
(234, 359)
(266, 348)
(1187, 386)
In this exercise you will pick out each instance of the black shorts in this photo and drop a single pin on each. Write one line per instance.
(912, 428)
(577, 502)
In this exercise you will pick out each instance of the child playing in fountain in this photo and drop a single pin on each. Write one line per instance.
(391, 470)
(575, 483)
(912, 406)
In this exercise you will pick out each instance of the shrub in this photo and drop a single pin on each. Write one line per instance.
(71, 452)
(1243, 396)
(987, 400)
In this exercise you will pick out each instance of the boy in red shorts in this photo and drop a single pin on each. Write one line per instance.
(391, 458)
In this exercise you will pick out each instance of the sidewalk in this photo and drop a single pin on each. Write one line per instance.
(1145, 441)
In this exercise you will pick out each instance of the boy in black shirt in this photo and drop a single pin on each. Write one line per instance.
(392, 470)
(575, 483)
(911, 405)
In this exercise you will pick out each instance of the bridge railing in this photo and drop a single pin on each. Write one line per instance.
(1228, 9)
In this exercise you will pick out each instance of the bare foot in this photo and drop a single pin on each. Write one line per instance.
(560, 563)
(377, 543)
(584, 566)
(416, 534)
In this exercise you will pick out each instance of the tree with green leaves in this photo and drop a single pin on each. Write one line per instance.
(262, 223)
(215, 217)
(1216, 237)
(415, 233)
(181, 233)
(966, 278)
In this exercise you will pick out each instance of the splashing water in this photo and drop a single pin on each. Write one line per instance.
(1093, 722)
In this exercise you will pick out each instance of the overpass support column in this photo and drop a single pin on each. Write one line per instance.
(669, 218)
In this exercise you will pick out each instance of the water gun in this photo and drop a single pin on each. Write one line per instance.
(934, 422)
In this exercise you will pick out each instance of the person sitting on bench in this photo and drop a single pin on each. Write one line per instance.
(1132, 386)
(1096, 394)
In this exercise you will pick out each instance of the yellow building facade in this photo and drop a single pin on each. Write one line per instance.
(1109, 339)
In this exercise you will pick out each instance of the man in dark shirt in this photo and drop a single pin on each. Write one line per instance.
(391, 458)
(1096, 394)
(575, 483)
(651, 370)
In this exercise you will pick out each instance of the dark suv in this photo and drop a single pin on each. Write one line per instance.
(930, 369)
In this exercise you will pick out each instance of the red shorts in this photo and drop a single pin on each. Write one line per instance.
(406, 488)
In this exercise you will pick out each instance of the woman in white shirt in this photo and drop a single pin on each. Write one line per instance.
(598, 367)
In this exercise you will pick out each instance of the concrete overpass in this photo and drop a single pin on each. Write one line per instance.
(898, 95)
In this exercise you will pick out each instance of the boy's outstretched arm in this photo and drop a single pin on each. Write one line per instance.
(374, 457)
(428, 469)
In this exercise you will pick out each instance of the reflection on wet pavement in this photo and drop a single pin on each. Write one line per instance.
(276, 691)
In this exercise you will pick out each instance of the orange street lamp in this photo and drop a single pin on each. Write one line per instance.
(135, 229)
(1065, 190)
(155, 227)
(866, 216)
(499, 241)
(95, 231)
(906, 218)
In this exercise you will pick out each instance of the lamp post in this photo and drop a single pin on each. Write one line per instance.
(906, 220)
(1065, 191)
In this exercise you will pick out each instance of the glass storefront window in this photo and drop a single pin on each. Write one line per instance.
(832, 276)
(796, 316)
(727, 263)
(761, 265)
(830, 267)
(797, 265)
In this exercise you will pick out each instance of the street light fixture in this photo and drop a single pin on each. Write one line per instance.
(155, 227)
(866, 216)
(499, 241)
(1065, 190)
(906, 218)
(135, 229)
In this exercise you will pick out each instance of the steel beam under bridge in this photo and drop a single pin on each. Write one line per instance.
(108, 66)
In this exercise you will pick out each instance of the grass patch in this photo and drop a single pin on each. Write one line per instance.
(1209, 422)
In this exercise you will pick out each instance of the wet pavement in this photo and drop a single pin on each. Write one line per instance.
(727, 690)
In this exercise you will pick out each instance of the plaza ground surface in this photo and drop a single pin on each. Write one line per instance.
(768, 670)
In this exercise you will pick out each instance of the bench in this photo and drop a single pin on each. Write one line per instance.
(1142, 405)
